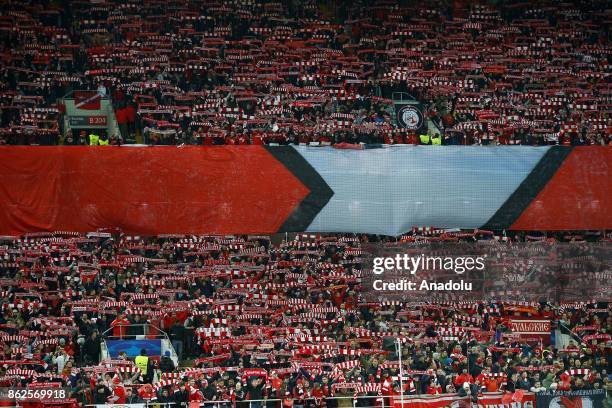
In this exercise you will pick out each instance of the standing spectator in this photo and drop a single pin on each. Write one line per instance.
(189, 335)
(119, 394)
(92, 348)
(166, 365)
(177, 334)
(101, 392)
(255, 392)
(131, 397)
(60, 358)
(120, 326)
(130, 114)
(122, 121)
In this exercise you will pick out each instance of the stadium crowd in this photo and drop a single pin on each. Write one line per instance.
(255, 72)
(255, 318)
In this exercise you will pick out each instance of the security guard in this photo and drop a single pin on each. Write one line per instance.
(94, 139)
(436, 140)
(103, 141)
(142, 362)
(424, 138)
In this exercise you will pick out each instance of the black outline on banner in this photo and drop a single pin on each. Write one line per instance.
(529, 189)
(320, 192)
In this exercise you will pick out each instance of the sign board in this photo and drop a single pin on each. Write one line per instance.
(525, 326)
(133, 347)
(87, 121)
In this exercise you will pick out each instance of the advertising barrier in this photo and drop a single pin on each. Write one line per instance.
(487, 400)
(571, 399)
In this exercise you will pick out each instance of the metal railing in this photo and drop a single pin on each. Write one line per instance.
(564, 329)
(145, 332)
(376, 402)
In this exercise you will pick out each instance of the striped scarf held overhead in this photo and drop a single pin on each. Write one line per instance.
(577, 372)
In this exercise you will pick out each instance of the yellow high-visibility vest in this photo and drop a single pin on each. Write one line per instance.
(424, 139)
(142, 362)
(436, 140)
(94, 139)
(103, 142)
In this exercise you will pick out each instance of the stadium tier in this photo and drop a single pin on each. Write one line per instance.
(411, 206)
(198, 72)
(251, 319)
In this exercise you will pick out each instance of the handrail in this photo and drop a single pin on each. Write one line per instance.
(162, 334)
(570, 332)
(69, 95)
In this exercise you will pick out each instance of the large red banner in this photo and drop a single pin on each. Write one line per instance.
(265, 189)
(147, 190)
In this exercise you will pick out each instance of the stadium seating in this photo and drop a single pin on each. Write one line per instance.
(243, 307)
(275, 72)
(254, 321)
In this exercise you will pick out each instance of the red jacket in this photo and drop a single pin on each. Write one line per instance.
(434, 390)
(461, 378)
(119, 327)
(121, 116)
(130, 113)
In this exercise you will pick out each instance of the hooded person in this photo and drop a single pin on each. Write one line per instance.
(166, 365)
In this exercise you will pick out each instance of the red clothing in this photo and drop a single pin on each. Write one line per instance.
(276, 383)
(338, 294)
(120, 394)
(69, 350)
(182, 316)
(121, 116)
(462, 378)
(434, 390)
(318, 393)
(130, 113)
(481, 379)
(258, 138)
(120, 327)
(413, 139)
(167, 321)
(146, 392)
(492, 384)
(194, 394)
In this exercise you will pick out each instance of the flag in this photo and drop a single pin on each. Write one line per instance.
(88, 100)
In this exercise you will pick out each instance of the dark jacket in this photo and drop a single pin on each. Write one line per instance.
(166, 365)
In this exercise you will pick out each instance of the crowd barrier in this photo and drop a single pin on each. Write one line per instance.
(410, 401)
(580, 398)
